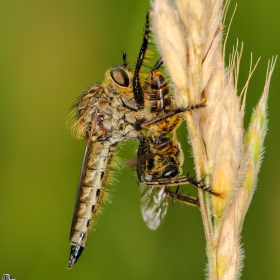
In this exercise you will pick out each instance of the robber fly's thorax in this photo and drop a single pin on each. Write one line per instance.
(110, 106)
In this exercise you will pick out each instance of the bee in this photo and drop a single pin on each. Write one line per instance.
(160, 156)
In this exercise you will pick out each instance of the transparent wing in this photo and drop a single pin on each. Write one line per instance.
(154, 203)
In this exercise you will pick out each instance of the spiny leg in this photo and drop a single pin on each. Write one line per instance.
(176, 181)
(183, 198)
(142, 125)
(136, 84)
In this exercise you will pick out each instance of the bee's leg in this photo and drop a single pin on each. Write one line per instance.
(136, 84)
(142, 125)
(157, 65)
(175, 181)
(183, 198)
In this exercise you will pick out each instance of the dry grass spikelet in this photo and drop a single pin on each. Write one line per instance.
(189, 37)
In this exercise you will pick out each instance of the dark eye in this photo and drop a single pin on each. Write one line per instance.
(119, 76)
(170, 171)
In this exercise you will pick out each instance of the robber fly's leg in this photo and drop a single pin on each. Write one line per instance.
(142, 125)
(183, 198)
(136, 84)
(176, 181)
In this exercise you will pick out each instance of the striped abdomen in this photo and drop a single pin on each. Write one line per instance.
(90, 195)
(157, 92)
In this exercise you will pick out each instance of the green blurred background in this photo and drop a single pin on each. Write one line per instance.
(50, 52)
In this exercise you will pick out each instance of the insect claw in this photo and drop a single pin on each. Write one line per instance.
(198, 202)
(214, 193)
(138, 123)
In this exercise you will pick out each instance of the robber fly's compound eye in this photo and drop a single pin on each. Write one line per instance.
(119, 76)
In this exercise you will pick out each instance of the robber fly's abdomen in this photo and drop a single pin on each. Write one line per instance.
(90, 197)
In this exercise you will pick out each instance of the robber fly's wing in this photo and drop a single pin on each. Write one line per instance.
(82, 176)
(154, 204)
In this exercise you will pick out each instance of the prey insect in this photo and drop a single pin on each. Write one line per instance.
(159, 155)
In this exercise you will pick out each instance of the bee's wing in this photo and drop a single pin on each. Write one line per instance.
(154, 203)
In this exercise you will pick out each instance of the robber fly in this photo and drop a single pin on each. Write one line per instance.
(105, 116)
